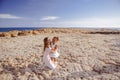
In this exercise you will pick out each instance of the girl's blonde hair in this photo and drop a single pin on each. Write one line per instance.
(56, 38)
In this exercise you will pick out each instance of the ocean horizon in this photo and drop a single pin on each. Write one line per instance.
(34, 28)
(19, 29)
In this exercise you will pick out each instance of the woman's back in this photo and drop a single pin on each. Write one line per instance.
(46, 55)
(47, 59)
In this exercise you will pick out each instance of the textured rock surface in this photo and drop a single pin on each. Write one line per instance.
(82, 57)
(16, 33)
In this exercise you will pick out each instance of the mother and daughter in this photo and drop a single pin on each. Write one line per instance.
(50, 52)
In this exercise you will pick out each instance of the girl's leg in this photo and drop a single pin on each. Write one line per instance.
(55, 60)
(52, 59)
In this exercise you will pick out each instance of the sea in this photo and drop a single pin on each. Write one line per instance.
(19, 29)
(34, 28)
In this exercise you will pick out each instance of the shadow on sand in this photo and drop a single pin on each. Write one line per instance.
(33, 68)
(110, 69)
(41, 70)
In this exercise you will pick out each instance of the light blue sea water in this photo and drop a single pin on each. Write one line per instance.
(22, 28)
(33, 28)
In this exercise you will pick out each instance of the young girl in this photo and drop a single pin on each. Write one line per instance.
(54, 55)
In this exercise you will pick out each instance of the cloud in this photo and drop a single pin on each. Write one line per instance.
(95, 22)
(49, 18)
(92, 22)
(9, 16)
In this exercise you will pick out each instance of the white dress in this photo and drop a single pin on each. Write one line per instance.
(56, 54)
(47, 60)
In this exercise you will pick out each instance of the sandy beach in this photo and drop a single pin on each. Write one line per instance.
(83, 56)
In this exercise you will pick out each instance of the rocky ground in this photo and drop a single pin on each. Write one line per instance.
(82, 57)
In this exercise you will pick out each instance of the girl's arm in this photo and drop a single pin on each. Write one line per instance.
(55, 49)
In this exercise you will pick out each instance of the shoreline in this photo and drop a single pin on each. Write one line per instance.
(7, 29)
(15, 33)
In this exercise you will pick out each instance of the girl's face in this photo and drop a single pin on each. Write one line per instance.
(55, 40)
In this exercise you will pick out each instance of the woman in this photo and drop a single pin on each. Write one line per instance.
(46, 57)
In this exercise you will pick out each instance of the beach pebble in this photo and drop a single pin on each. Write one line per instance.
(40, 77)
(33, 77)
(22, 77)
(6, 76)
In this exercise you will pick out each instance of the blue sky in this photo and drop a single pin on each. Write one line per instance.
(60, 13)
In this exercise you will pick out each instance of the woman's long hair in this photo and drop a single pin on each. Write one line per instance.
(45, 42)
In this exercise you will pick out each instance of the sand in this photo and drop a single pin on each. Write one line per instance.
(82, 57)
